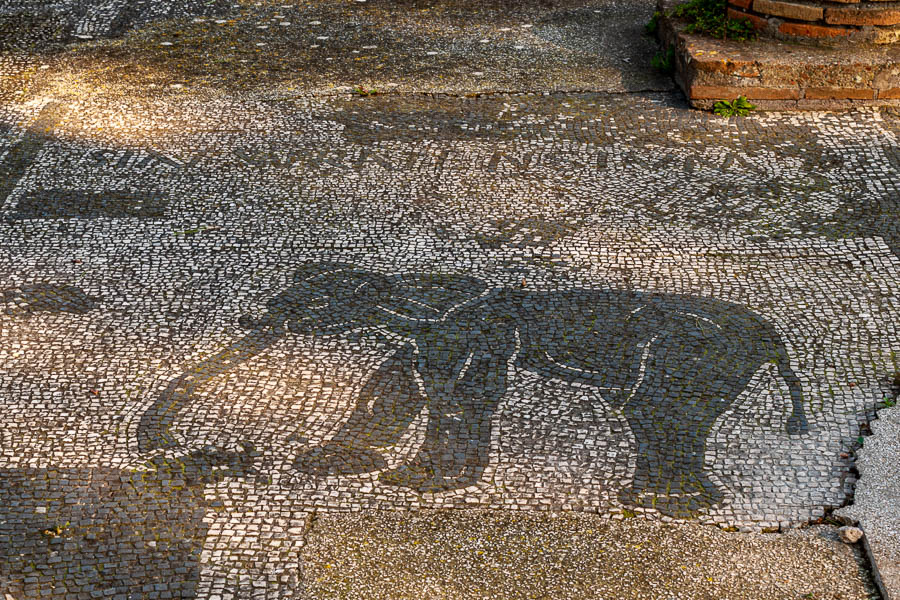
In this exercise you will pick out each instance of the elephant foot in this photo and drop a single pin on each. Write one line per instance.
(686, 502)
(332, 459)
(797, 424)
(428, 479)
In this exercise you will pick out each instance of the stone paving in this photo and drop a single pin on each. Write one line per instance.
(464, 46)
(875, 500)
(570, 556)
(224, 314)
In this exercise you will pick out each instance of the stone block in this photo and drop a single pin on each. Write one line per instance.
(862, 16)
(777, 74)
(887, 35)
(736, 68)
(813, 31)
(758, 22)
(716, 92)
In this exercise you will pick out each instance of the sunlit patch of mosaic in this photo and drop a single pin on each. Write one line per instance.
(223, 316)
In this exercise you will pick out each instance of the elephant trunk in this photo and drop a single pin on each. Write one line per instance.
(153, 429)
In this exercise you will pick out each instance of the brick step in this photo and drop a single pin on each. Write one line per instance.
(778, 75)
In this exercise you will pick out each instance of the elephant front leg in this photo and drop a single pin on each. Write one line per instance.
(387, 404)
(456, 449)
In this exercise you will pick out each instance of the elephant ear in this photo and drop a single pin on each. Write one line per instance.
(312, 269)
(430, 296)
(324, 276)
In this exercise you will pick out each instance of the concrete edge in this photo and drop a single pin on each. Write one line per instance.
(876, 573)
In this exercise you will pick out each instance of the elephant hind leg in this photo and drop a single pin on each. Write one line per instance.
(670, 473)
(671, 414)
(682, 497)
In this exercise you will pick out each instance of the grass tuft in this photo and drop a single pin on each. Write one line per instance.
(710, 17)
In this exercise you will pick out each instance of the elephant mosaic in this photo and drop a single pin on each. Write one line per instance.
(671, 364)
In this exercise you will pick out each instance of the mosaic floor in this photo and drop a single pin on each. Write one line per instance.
(220, 316)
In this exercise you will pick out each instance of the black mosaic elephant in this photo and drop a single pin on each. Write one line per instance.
(672, 364)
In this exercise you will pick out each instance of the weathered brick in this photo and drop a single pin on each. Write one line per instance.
(736, 68)
(730, 92)
(862, 16)
(758, 22)
(741, 4)
(789, 10)
(891, 94)
(813, 31)
(839, 94)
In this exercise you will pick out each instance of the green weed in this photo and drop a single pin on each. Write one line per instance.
(55, 531)
(652, 26)
(664, 62)
(739, 107)
(709, 17)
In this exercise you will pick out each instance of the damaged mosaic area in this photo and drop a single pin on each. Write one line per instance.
(220, 317)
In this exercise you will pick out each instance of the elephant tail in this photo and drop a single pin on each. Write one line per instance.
(797, 422)
(153, 429)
